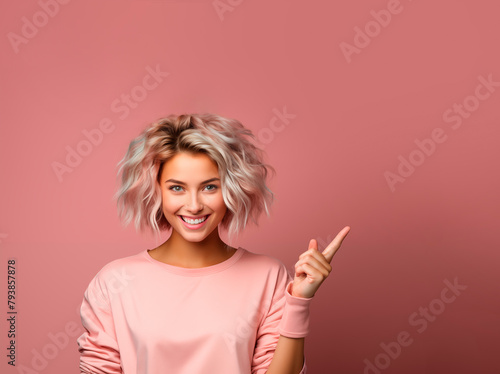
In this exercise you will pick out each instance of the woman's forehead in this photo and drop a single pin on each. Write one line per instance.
(190, 166)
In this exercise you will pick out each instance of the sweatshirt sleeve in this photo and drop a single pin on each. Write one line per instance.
(99, 353)
(288, 316)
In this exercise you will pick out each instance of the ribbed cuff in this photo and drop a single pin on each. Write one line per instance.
(295, 320)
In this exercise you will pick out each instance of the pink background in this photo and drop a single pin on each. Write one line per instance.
(355, 116)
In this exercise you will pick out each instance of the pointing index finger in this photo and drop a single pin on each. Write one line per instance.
(335, 244)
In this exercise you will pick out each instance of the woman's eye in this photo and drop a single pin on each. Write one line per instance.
(210, 187)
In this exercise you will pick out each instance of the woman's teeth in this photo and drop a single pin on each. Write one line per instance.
(193, 221)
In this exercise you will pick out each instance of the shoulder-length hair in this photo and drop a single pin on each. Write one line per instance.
(226, 141)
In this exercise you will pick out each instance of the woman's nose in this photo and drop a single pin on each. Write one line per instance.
(194, 203)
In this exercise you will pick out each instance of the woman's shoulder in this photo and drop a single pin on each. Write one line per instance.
(121, 268)
(264, 260)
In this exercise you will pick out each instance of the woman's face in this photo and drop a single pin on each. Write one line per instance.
(191, 189)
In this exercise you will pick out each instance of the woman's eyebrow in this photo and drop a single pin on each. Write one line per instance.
(179, 182)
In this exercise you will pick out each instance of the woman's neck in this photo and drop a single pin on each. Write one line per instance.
(176, 251)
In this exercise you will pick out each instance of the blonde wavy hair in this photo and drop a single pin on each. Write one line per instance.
(226, 141)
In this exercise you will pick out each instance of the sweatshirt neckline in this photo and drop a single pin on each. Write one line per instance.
(196, 271)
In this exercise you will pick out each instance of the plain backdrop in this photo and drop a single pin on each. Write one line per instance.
(380, 115)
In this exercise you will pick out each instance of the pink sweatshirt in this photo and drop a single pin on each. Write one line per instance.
(143, 316)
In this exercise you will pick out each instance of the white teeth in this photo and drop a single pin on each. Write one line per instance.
(193, 221)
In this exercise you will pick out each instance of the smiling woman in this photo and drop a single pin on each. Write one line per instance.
(195, 304)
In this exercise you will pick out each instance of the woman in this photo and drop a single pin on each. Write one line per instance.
(194, 304)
